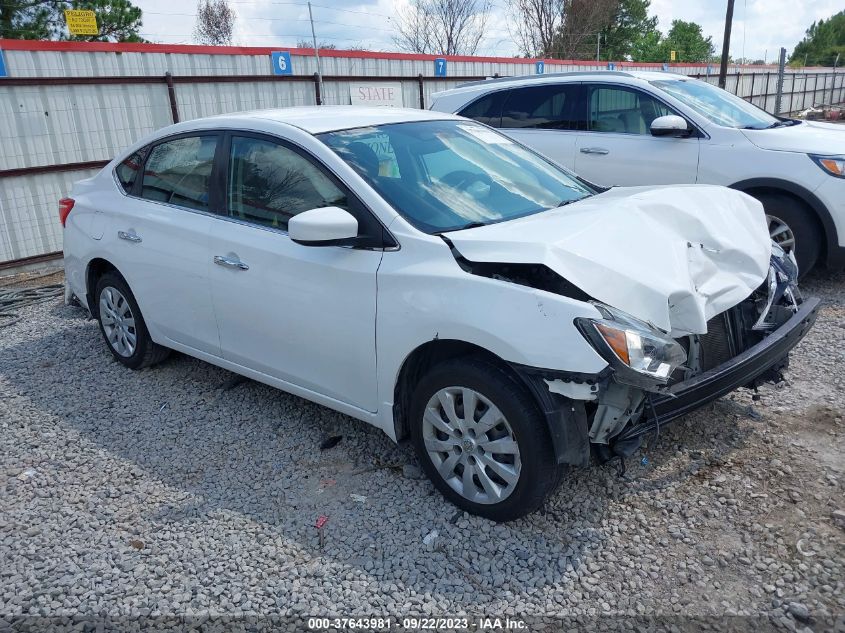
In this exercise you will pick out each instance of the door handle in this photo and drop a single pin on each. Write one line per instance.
(595, 150)
(131, 236)
(220, 260)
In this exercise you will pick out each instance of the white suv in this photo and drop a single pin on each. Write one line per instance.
(649, 128)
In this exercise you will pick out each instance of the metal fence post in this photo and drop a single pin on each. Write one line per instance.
(751, 96)
(171, 96)
(318, 97)
(422, 91)
(766, 95)
(781, 69)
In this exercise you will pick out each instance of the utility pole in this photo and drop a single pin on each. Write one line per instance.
(726, 45)
(833, 83)
(598, 46)
(317, 56)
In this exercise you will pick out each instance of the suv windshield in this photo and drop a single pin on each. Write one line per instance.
(449, 175)
(720, 106)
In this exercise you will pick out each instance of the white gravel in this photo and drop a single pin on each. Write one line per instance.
(180, 491)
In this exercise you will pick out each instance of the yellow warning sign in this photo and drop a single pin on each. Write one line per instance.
(81, 22)
(671, 55)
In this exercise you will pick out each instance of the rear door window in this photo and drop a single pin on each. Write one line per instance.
(179, 172)
(487, 109)
(549, 107)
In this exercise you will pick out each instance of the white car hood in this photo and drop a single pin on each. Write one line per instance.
(809, 137)
(673, 256)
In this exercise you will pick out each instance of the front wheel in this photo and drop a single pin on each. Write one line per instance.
(794, 228)
(481, 440)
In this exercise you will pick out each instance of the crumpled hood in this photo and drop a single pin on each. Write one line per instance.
(810, 137)
(674, 256)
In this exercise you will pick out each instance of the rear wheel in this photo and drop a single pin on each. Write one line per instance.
(481, 440)
(794, 228)
(122, 324)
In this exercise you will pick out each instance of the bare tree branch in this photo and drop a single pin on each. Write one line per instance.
(215, 25)
(449, 27)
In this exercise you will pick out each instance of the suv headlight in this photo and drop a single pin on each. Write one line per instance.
(641, 354)
(834, 165)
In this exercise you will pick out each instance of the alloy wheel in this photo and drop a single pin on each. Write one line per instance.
(780, 233)
(471, 445)
(118, 321)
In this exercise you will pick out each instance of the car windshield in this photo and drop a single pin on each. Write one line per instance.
(448, 175)
(719, 106)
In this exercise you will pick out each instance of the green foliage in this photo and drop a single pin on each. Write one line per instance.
(685, 38)
(118, 20)
(628, 30)
(823, 40)
(30, 19)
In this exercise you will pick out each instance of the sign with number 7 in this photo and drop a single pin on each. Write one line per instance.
(440, 67)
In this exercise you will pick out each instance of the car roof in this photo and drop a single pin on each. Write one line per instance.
(550, 78)
(326, 118)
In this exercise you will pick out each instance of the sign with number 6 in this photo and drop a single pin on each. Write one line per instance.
(281, 63)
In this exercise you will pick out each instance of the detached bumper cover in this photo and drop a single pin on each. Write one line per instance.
(683, 397)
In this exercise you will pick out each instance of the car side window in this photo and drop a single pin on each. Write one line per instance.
(178, 172)
(270, 183)
(487, 109)
(127, 171)
(623, 110)
(550, 107)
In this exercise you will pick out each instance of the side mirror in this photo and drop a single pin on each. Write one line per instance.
(670, 125)
(326, 226)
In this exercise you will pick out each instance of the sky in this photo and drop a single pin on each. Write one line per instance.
(760, 27)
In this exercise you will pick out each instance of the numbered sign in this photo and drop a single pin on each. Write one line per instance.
(281, 63)
(440, 67)
(709, 69)
(665, 68)
(3, 72)
(539, 67)
(611, 66)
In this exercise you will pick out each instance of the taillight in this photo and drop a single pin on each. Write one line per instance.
(65, 206)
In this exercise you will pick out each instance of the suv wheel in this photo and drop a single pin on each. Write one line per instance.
(481, 440)
(792, 226)
(122, 324)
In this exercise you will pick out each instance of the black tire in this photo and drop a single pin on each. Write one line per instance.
(804, 226)
(145, 352)
(539, 473)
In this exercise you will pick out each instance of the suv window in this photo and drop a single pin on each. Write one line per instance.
(178, 172)
(487, 109)
(623, 110)
(550, 107)
(127, 172)
(270, 183)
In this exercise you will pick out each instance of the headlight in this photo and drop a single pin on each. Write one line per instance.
(631, 345)
(834, 165)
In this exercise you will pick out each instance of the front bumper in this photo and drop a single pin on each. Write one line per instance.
(741, 370)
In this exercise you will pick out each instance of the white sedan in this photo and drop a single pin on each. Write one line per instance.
(430, 276)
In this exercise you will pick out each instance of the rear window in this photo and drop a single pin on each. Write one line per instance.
(127, 172)
(487, 110)
(550, 107)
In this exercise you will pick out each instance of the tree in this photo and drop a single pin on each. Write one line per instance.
(688, 42)
(320, 45)
(215, 23)
(118, 20)
(31, 19)
(821, 43)
(628, 27)
(583, 20)
(448, 27)
(560, 28)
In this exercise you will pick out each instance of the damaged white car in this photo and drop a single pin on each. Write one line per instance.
(430, 276)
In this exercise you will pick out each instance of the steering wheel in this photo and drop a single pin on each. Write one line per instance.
(461, 179)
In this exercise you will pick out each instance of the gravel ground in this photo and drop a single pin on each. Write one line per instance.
(180, 490)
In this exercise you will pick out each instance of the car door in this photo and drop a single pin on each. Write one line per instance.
(617, 147)
(545, 118)
(301, 314)
(159, 234)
